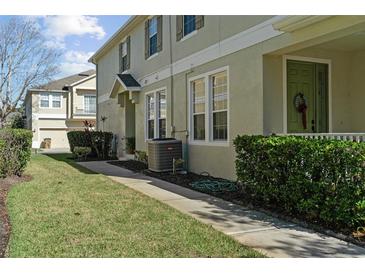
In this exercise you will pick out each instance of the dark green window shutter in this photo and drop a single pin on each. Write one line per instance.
(146, 40)
(128, 42)
(179, 27)
(199, 21)
(159, 33)
(120, 57)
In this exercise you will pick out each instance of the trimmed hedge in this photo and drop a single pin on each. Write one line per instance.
(15, 151)
(102, 141)
(318, 180)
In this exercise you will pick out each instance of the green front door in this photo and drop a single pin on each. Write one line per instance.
(306, 97)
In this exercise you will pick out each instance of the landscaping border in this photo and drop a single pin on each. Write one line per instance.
(232, 198)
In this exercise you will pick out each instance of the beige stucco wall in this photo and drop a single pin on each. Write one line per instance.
(216, 28)
(78, 92)
(357, 91)
(56, 126)
(245, 89)
(36, 104)
(255, 84)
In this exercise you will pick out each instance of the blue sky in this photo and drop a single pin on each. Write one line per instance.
(77, 37)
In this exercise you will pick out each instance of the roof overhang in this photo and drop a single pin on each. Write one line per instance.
(125, 83)
(296, 22)
(47, 90)
(82, 80)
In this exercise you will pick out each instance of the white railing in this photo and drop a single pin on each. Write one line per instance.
(356, 137)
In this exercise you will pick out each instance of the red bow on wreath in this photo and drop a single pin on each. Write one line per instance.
(300, 103)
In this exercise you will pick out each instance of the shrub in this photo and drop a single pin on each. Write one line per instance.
(319, 180)
(130, 145)
(100, 142)
(141, 156)
(18, 121)
(81, 152)
(15, 151)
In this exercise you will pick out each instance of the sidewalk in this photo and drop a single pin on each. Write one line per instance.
(272, 236)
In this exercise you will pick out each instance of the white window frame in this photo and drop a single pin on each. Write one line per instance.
(83, 101)
(208, 109)
(50, 100)
(124, 44)
(40, 100)
(150, 36)
(157, 114)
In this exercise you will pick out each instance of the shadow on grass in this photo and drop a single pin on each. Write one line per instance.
(69, 159)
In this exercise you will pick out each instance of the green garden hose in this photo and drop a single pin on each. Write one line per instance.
(214, 186)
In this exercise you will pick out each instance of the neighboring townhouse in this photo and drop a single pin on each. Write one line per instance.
(206, 79)
(60, 106)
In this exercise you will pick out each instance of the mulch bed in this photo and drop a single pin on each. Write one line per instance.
(5, 185)
(133, 165)
(238, 197)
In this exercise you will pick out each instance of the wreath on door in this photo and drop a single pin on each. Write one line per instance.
(300, 104)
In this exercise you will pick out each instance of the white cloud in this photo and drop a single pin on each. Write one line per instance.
(75, 62)
(77, 56)
(58, 27)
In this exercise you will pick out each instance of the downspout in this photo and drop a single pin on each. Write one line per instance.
(97, 99)
(172, 127)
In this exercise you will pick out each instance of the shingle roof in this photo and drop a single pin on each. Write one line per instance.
(128, 80)
(61, 83)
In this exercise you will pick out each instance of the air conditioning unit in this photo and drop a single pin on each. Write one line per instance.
(162, 152)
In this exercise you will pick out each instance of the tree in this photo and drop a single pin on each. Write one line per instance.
(25, 62)
(17, 121)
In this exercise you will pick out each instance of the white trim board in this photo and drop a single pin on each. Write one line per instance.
(285, 100)
(242, 40)
(37, 116)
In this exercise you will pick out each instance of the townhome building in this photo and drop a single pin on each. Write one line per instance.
(206, 79)
(60, 106)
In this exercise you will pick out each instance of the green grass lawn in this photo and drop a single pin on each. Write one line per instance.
(67, 211)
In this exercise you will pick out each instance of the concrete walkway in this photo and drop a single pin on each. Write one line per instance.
(272, 236)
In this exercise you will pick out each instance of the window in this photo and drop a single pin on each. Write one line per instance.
(44, 100)
(152, 32)
(124, 54)
(90, 104)
(150, 116)
(209, 107)
(56, 101)
(189, 24)
(50, 100)
(161, 114)
(198, 92)
(219, 105)
(156, 115)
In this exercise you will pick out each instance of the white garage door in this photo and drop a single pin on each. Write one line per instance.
(58, 137)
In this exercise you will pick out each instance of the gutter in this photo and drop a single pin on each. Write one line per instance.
(296, 22)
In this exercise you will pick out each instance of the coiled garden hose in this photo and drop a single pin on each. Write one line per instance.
(214, 186)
